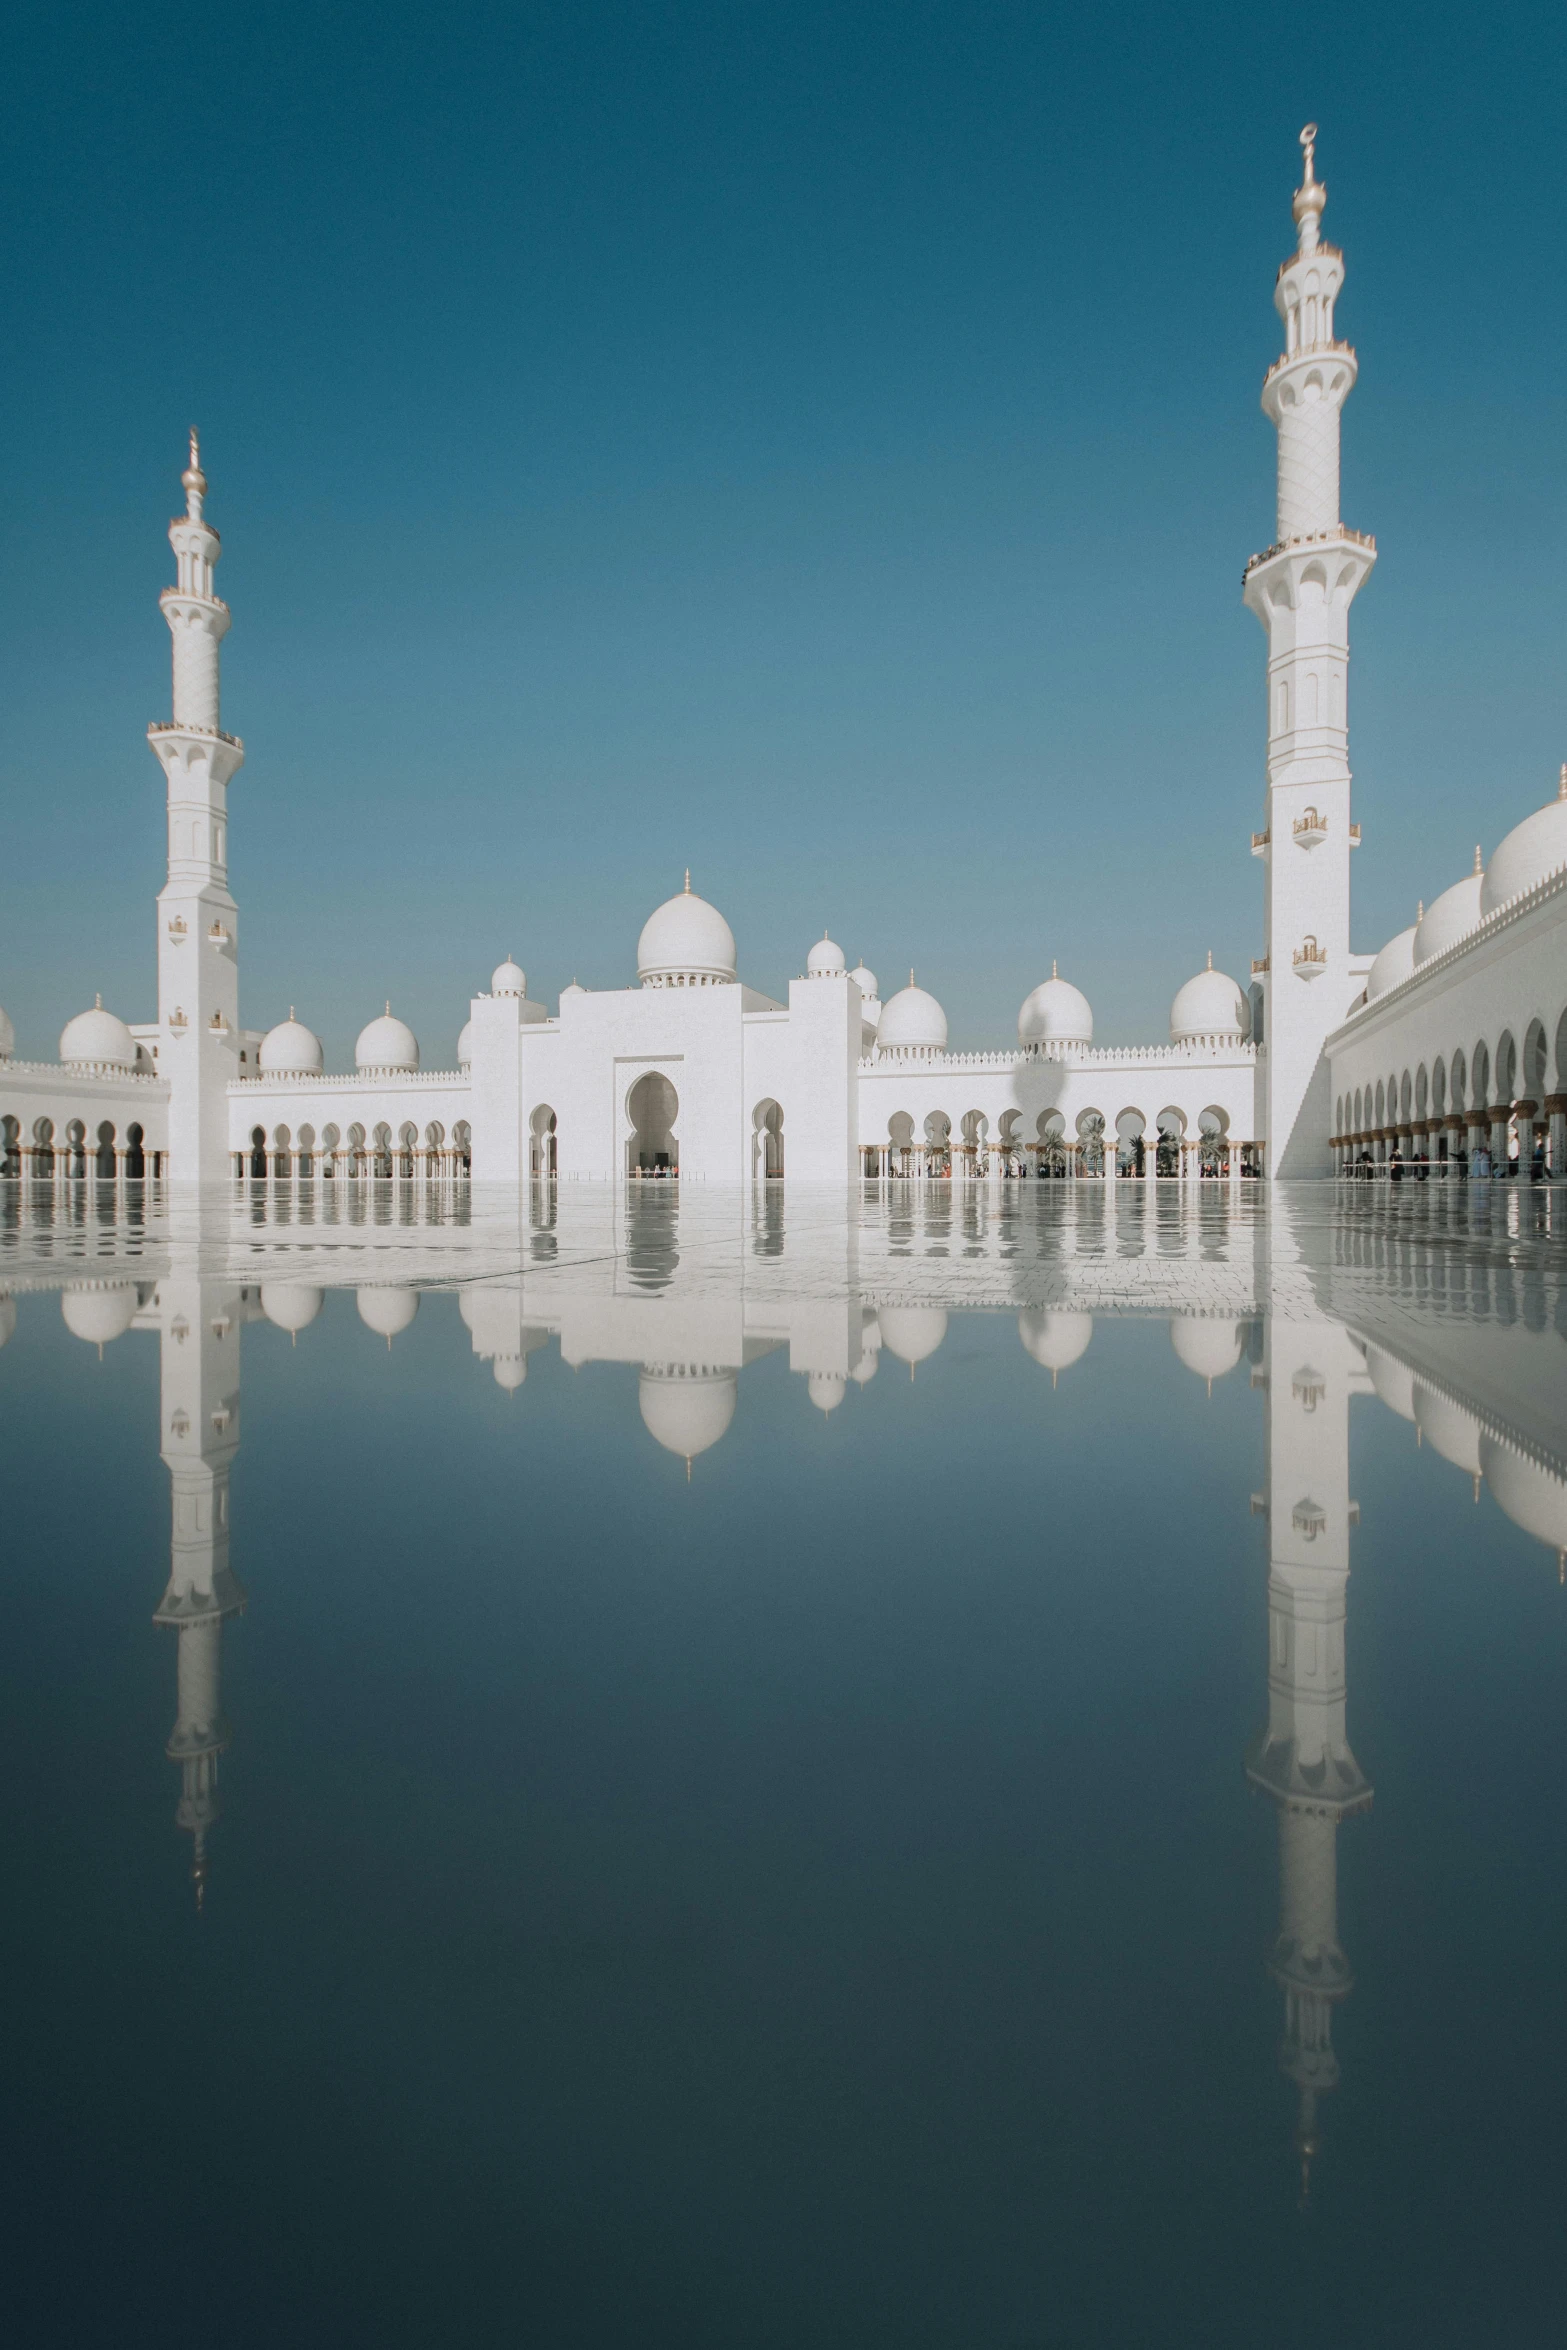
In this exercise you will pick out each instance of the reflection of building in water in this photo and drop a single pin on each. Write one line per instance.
(1303, 1758)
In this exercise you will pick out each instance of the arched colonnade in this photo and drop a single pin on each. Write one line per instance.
(1493, 1106)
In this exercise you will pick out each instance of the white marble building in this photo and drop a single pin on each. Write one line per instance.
(1451, 1041)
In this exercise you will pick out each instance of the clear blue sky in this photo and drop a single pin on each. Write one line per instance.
(815, 444)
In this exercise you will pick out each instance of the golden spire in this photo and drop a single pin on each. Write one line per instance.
(688, 881)
(1479, 860)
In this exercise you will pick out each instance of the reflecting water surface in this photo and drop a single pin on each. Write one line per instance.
(786, 1769)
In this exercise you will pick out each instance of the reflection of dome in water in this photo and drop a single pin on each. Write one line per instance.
(912, 1332)
(1056, 1339)
(1448, 1429)
(292, 1305)
(7, 1317)
(510, 1371)
(99, 1311)
(1530, 1495)
(1210, 1345)
(387, 1311)
(826, 1389)
(1393, 1383)
(685, 1408)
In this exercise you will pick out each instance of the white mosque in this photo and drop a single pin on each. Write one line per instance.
(1448, 1047)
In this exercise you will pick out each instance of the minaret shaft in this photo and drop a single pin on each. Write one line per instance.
(1301, 590)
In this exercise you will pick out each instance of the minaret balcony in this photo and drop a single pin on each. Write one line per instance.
(1308, 960)
(1261, 842)
(178, 1021)
(1260, 965)
(217, 936)
(1339, 535)
(1310, 830)
(210, 734)
(178, 929)
(1354, 836)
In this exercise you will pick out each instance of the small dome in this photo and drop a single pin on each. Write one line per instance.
(1056, 1339)
(387, 1311)
(573, 989)
(1451, 916)
(912, 1022)
(290, 1050)
(99, 1311)
(1448, 1429)
(292, 1305)
(1530, 1495)
(686, 1410)
(1393, 965)
(1533, 849)
(7, 1037)
(508, 980)
(912, 1332)
(1392, 1381)
(1209, 1344)
(865, 981)
(96, 1040)
(465, 1045)
(1056, 1013)
(826, 1389)
(1212, 1004)
(685, 940)
(388, 1045)
(825, 961)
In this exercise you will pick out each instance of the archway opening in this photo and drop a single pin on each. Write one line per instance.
(767, 1150)
(543, 1143)
(653, 1106)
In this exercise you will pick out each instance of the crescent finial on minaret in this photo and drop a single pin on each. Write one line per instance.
(1311, 195)
(193, 481)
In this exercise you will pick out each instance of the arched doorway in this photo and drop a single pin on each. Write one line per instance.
(543, 1147)
(652, 1106)
(767, 1139)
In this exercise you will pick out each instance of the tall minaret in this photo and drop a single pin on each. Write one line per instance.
(1303, 1759)
(1301, 590)
(198, 969)
(199, 1397)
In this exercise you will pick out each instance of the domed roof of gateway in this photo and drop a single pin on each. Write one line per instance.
(7, 1037)
(1209, 1344)
(912, 1333)
(465, 1045)
(1393, 965)
(292, 1305)
(825, 960)
(866, 982)
(1533, 849)
(1056, 1013)
(99, 1311)
(1451, 916)
(912, 1022)
(388, 1043)
(387, 1311)
(1055, 1338)
(1211, 1004)
(686, 1409)
(508, 980)
(290, 1050)
(685, 939)
(97, 1040)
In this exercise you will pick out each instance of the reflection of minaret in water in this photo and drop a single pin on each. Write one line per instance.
(1303, 1758)
(200, 1405)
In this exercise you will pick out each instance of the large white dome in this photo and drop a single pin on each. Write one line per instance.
(686, 1410)
(686, 942)
(912, 1022)
(1531, 1496)
(7, 1037)
(1532, 849)
(508, 980)
(1054, 1337)
(388, 1044)
(1211, 1004)
(1394, 964)
(97, 1040)
(825, 961)
(387, 1311)
(99, 1311)
(1056, 1013)
(1451, 916)
(290, 1050)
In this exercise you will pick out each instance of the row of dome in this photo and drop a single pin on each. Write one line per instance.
(1530, 854)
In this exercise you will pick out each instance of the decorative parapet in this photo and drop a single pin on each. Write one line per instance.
(1310, 538)
(94, 1072)
(209, 734)
(1198, 1052)
(1512, 910)
(362, 1080)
